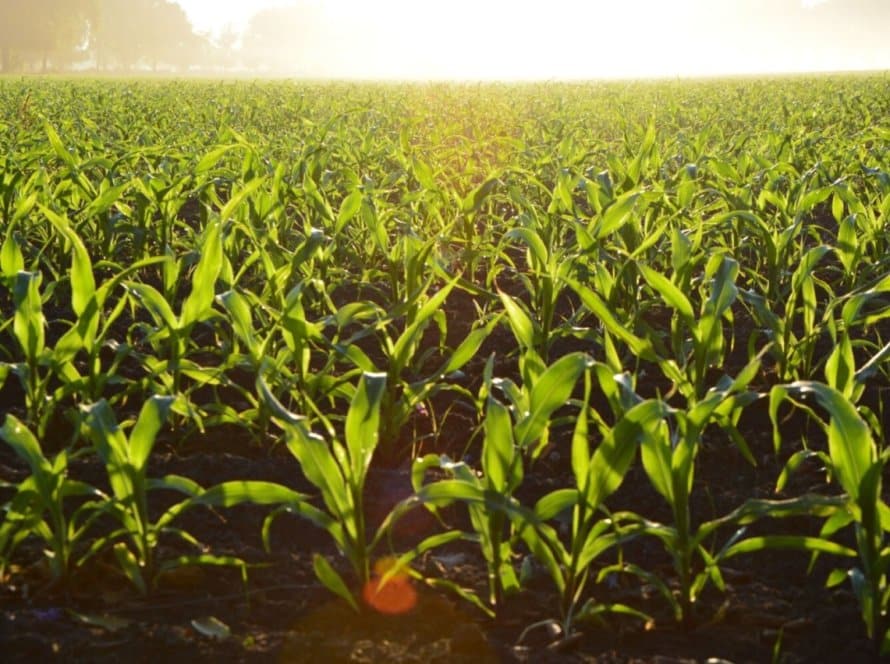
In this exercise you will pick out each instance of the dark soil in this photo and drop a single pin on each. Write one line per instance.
(771, 604)
(773, 609)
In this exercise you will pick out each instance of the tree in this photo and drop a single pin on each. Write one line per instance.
(43, 29)
(153, 32)
(283, 39)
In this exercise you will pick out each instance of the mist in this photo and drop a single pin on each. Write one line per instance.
(463, 39)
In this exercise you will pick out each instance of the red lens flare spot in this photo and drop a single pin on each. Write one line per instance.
(397, 596)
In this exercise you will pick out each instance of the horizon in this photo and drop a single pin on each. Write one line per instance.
(469, 40)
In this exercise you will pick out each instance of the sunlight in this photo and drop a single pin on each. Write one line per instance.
(559, 39)
(475, 40)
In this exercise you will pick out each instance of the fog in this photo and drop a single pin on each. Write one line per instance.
(460, 39)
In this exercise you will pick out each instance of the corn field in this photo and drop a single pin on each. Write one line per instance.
(542, 329)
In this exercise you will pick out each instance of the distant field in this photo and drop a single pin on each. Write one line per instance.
(599, 329)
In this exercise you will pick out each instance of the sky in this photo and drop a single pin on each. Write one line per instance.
(215, 15)
(564, 39)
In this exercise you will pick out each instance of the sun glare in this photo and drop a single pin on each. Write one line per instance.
(461, 39)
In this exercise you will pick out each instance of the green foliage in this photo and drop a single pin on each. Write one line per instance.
(387, 260)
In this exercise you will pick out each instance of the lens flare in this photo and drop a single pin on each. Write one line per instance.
(396, 596)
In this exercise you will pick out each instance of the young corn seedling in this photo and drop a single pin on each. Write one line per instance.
(40, 506)
(854, 462)
(545, 282)
(697, 341)
(170, 334)
(507, 441)
(408, 385)
(669, 448)
(593, 531)
(543, 390)
(502, 473)
(126, 462)
(794, 333)
(28, 326)
(339, 471)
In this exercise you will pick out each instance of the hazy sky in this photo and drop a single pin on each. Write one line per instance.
(543, 39)
(215, 15)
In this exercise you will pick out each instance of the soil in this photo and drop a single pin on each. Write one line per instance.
(773, 609)
(771, 604)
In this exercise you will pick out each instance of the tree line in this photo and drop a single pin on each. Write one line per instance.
(130, 35)
(127, 35)
(53, 35)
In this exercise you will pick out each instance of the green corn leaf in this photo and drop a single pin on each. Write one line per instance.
(363, 424)
(101, 204)
(11, 259)
(642, 348)
(794, 542)
(130, 566)
(580, 453)
(521, 325)
(25, 445)
(464, 593)
(155, 303)
(499, 463)
(723, 288)
(111, 444)
(808, 264)
(201, 297)
(850, 444)
(466, 351)
(474, 200)
(212, 158)
(321, 468)
(840, 368)
(241, 320)
(551, 391)
(616, 215)
(272, 402)
(407, 341)
(671, 295)
(332, 580)
(142, 438)
(238, 198)
(423, 173)
(615, 453)
(812, 198)
(350, 207)
(29, 322)
(59, 147)
(657, 462)
(544, 544)
(556, 502)
(847, 246)
(23, 208)
(534, 243)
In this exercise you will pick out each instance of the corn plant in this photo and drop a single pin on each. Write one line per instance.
(125, 458)
(854, 462)
(170, 333)
(29, 323)
(545, 281)
(543, 389)
(507, 442)
(697, 341)
(339, 471)
(409, 384)
(794, 332)
(41, 506)
(669, 449)
(593, 530)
